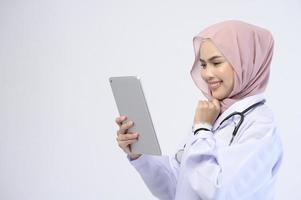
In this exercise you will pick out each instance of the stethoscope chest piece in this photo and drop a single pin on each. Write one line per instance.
(179, 155)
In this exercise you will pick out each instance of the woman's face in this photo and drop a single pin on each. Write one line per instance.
(216, 71)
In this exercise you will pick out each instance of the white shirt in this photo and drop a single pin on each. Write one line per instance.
(211, 169)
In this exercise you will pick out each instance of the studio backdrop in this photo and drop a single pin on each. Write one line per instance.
(57, 111)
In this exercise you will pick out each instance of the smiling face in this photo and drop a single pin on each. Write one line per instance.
(216, 71)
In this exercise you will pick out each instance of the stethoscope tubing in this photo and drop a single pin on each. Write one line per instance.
(242, 117)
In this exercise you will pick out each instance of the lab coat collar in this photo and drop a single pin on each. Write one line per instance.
(238, 106)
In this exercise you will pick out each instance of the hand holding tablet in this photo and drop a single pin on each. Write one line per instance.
(124, 138)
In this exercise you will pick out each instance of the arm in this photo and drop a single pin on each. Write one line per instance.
(158, 174)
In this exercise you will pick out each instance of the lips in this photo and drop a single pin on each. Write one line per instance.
(214, 84)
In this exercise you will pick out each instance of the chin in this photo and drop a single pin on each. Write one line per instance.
(218, 96)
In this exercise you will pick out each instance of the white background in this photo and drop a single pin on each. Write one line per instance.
(57, 130)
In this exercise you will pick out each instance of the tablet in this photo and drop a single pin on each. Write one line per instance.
(130, 101)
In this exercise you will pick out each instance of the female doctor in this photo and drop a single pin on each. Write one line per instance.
(234, 150)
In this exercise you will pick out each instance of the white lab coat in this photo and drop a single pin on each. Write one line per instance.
(211, 169)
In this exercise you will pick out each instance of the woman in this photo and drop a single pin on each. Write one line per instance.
(234, 150)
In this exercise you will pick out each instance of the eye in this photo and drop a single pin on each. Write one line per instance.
(203, 65)
(216, 63)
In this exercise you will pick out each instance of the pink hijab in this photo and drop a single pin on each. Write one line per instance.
(248, 48)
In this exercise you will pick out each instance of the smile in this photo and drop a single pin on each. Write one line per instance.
(214, 85)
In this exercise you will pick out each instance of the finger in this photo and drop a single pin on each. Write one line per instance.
(120, 119)
(204, 104)
(128, 142)
(201, 103)
(128, 136)
(125, 144)
(211, 104)
(124, 127)
(216, 103)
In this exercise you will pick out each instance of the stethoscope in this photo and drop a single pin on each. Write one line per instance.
(179, 154)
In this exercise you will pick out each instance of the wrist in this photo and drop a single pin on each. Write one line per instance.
(201, 126)
(134, 156)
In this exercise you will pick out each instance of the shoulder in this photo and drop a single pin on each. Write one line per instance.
(262, 114)
(258, 123)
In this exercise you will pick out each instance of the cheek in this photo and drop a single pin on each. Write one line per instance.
(227, 75)
(203, 75)
(223, 73)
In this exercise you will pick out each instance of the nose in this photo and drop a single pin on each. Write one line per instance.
(208, 72)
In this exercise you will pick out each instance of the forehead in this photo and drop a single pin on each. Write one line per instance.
(208, 49)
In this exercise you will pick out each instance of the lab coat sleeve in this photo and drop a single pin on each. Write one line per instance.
(158, 174)
(236, 171)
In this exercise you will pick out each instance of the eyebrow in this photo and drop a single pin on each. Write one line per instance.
(212, 58)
